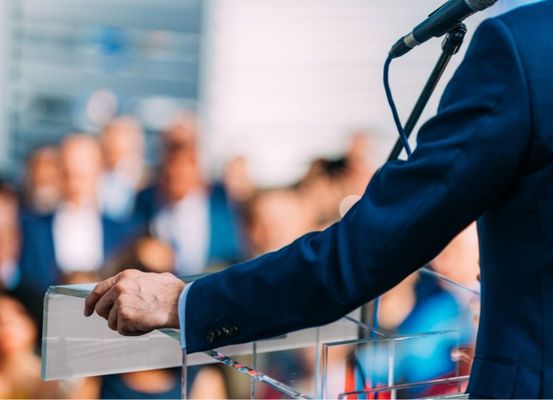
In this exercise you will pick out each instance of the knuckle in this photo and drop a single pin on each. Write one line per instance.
(168, 276)
(97, 290)
(125, 274)
(128, 273)
(120, 287)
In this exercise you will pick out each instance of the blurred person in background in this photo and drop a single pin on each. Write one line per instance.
(125, 172)
(180, 137)
(19, 365)
(184, 211)
(358, 167)
(273, 218)
(460, 261)
(10, 237)
(145, 253)
(202, 383)
(76, 237)
(237, 181)
(323, 189)
(423, 303)
(329, 183)
(42, 181)
(417, 305)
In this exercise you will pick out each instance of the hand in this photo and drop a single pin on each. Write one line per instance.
(135, 302)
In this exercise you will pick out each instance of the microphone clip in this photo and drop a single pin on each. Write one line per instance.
(454, 39)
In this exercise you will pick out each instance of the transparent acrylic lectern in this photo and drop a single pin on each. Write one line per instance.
(349, 359)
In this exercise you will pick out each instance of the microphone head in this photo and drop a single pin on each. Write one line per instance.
(479, 5)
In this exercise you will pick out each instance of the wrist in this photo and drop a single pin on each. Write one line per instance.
(173, 319)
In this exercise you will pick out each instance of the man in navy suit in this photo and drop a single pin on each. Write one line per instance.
(180, 202)
(486, 156)
(76, 237)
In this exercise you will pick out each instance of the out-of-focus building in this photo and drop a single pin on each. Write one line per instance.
(75, 65)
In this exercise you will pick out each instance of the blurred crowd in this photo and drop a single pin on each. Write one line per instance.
(91, 206)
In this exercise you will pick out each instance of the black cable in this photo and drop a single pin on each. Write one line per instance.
(395, 114)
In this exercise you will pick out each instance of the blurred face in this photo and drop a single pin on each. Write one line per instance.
(78, 277)
(277, 220)
(9, 244)
(358, 150)
(182, 174)
(8, 210)
(237, 180)
(44, 175)
(122, 141)
(81, 165)
(17, 331)
(44, 169)
(322, 195)
(9, 227)
(155, 255)
(183, 131)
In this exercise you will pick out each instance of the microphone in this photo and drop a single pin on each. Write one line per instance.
(439, 23)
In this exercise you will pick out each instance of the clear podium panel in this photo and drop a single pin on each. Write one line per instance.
(444, 388)
(384, 367)
(355, 357)
(367, 365)
(296, 368)
(75, 346)
(433, 360)
(299, 367)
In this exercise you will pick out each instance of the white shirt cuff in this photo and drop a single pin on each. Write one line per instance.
(182, 315)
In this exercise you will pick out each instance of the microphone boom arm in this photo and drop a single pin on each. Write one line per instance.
(450, 46)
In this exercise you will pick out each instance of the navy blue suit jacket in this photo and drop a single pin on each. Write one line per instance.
(486, 156)
(224, 237)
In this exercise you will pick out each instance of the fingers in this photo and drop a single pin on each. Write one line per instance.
(118, 323)
(106, 302)
(112, 318)
(97, 293)
(131, 304)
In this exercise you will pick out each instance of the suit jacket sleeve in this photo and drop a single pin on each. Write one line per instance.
(466, 159)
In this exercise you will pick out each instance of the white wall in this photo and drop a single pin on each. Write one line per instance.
(289, 80)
